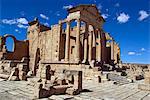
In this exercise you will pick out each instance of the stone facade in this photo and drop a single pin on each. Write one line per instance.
(19, 46)
(56, 59)
(78, 40)
(14, 64)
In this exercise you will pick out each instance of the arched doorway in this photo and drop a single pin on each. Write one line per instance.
(10, 42)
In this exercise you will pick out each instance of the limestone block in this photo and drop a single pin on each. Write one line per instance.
(147, 78)
(145, 87)
(29, 74)
(62, 82)
(1, 69)
(72, 91)
(99, 79)
(23, 67)
(22, 75)
(138, 77)
(117, 78)
(10, 76)
(14, 78)
(4, 76)
(96, 69)
(33, 81)
(37, 88)
(61, 89)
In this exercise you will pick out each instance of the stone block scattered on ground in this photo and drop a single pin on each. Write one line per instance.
(117, 78)
(145, 87)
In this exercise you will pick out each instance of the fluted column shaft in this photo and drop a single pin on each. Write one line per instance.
(112, 50)
(90, 46)
(67, 48)
(78, 41)
(86, 43)
(99, 45)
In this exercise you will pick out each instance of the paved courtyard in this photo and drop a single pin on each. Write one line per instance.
(19, 90)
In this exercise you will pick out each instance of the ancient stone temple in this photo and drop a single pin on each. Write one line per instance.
(74, 43)
(56, 59)
(69, 56)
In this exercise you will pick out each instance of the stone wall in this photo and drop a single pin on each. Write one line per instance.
(20, 49)
(88, 73)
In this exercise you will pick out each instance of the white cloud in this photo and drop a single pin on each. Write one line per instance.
(107, 10)
(44, 16)
(143, 49)
(58, 14)
(143, 15)
(46, 24)
(15, 21)
(22, 21)
(22, 13)
(105, 16)
(95, 1)
(16, 30)
(138, 54)
(22, 26)
(67, 7)
(131, 53)
(123, 18)
(99, 6)
(9, 21)
(117, 5)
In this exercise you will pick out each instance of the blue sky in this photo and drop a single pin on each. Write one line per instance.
(127, 21)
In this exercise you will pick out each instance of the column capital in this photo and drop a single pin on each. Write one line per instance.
(78, 22)
(68, 22)
(60, 22)
(87, 23)
(98, 29)
(78, 19)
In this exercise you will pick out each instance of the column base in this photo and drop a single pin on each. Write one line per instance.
(84, 61)
(77, 60)
(66, 60)
(92, 63)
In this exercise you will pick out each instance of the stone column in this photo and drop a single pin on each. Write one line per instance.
(78, 80)
(78, 41)
(94, 39)
(94, 46)
(1, 45)
(67, 48)
(112, 50)
(90, 46)
(99, 45)
(85, 43)
(60, 40)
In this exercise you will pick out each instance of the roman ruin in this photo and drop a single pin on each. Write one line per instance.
(59, 59)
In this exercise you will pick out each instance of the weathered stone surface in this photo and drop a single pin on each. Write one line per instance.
(70, 83)
(56, 59)
(117, 78)
(145, 87)
(147, 77)
(16, 90)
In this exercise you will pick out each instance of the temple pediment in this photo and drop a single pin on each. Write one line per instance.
(91, 9)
